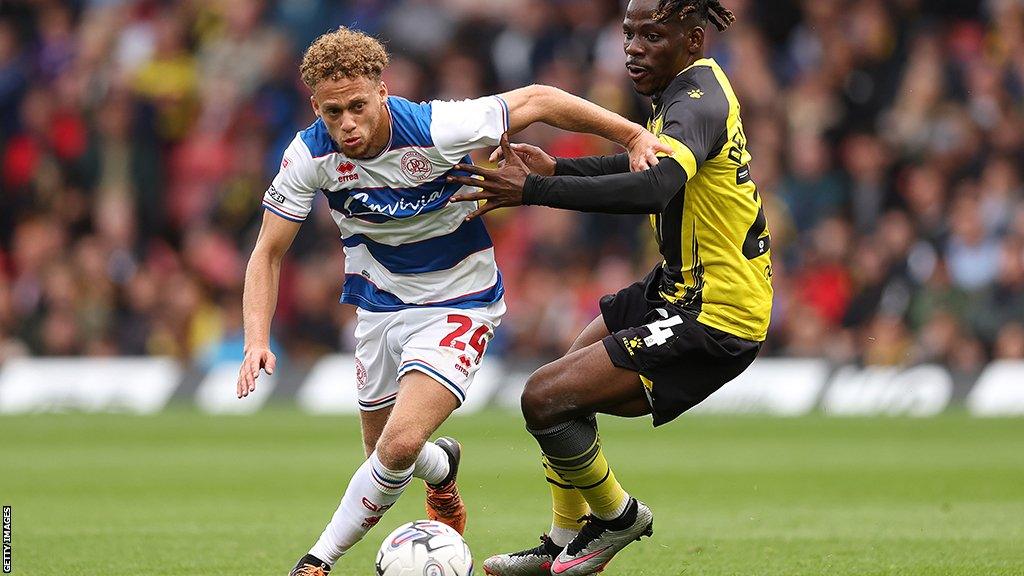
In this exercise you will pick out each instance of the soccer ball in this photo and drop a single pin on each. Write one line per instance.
(424, 548)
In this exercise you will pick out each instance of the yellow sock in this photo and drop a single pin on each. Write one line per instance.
(567, 504)
(593, 478)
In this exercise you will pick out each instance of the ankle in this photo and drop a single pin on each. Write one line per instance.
(562, 536)
(625, 518)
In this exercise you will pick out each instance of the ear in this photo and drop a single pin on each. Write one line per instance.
(695, 40)
(382, 91)
(315, 105)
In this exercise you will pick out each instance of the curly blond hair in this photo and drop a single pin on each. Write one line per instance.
(343, 53)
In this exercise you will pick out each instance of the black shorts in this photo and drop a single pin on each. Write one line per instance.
(681, 361)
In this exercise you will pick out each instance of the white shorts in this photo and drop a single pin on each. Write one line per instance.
(446, 344)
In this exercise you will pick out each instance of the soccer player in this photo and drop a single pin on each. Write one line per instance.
(666, 343)
(423, 278)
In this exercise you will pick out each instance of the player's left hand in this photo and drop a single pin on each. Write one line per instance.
(643, 150)
(256, 358)
(500, 188)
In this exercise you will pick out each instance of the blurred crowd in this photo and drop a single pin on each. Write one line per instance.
(138, 136)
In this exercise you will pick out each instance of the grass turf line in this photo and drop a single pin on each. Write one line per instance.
(185, 494)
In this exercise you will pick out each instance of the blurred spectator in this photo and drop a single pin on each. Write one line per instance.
(825, 279)
(1002, 303)
(14, 72)
(886, 341)
(973, 256)
(1010, 342)
(812, 190)
(169, 81)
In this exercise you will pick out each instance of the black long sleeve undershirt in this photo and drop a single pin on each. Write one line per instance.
(646, 192)
(592, 165)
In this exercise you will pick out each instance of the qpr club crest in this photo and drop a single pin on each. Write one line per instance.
(361, 376)
(416, 166)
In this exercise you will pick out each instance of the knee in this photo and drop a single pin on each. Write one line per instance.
(540, 404)
(399, 452)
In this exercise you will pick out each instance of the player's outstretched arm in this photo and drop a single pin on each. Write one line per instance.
(543, 164)
(259, 298)
(645, 192)
(539, 103)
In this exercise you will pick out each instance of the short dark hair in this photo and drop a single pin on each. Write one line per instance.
(705, 10)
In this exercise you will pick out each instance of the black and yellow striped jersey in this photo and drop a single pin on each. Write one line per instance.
(713, 235)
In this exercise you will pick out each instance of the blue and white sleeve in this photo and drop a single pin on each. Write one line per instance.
(459, 127)
(290, 196)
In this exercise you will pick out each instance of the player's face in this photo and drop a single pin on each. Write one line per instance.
(354, 111)
(655, 51)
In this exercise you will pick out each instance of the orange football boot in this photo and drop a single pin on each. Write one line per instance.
(443, 501)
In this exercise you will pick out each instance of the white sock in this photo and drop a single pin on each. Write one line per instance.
(432, 464)
(618, 511)
(562, 536)
(371, 491)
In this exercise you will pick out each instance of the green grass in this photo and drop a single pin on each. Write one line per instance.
(183, 493)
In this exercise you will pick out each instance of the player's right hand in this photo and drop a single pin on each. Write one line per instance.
(538, 161)
(497, 188)
(255, 359)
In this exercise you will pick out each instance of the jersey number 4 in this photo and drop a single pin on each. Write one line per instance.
(661, 331)
(477, 341)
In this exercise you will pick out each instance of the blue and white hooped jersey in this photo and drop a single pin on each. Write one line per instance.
(405, 246)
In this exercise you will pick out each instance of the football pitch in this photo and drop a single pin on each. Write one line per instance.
(186, 494)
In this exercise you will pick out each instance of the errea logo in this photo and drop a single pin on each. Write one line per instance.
(348, 172)
(696, 93)
(464, 362)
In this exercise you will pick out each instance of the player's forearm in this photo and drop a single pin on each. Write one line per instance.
(647, 192)
(560, 109)
(259, 298)
(592, 165)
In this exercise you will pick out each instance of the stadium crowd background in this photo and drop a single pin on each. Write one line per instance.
(137, 138)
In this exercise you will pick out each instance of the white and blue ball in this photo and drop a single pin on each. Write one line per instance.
(424, 548)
